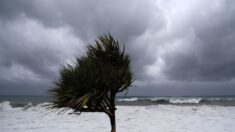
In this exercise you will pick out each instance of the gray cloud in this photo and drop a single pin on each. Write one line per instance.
(125, 19)
(207, 51)
(31, 53)
(184, 88)
(177, 48)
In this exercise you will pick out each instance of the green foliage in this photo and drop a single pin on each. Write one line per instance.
(92, 81)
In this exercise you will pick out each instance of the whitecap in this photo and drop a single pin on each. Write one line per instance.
(185, 100)
(5, 106)
(128, 99)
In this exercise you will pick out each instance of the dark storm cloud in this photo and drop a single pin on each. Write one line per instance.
(25, 26)
(31, 55)
(24, 87)
(169, 42)
(124, 19)
(184, 88)
(207, 52)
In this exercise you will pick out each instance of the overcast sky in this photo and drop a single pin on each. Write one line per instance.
(177, 47)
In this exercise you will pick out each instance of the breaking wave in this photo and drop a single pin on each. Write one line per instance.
(5, 106)
(181, 100)
(128, 99)
(9, 106)
(165, 100)
(228, 101)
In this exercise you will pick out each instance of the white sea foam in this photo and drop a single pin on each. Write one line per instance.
(128, 99)
(162, 118)
(185, 100)
(158, 99)
(5, 106)
(166, 100)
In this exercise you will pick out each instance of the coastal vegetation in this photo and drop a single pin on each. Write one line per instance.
(92, 82)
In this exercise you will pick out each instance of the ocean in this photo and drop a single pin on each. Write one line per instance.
(21, 101)
(134, 114)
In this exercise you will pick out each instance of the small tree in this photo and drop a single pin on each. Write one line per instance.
(91, 83)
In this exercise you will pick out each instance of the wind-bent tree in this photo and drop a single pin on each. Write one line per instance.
(91, 83)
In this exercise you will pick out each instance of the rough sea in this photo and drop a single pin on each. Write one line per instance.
(134, 114)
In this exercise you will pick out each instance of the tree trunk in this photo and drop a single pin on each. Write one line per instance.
(112, 111)
(113, 121)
